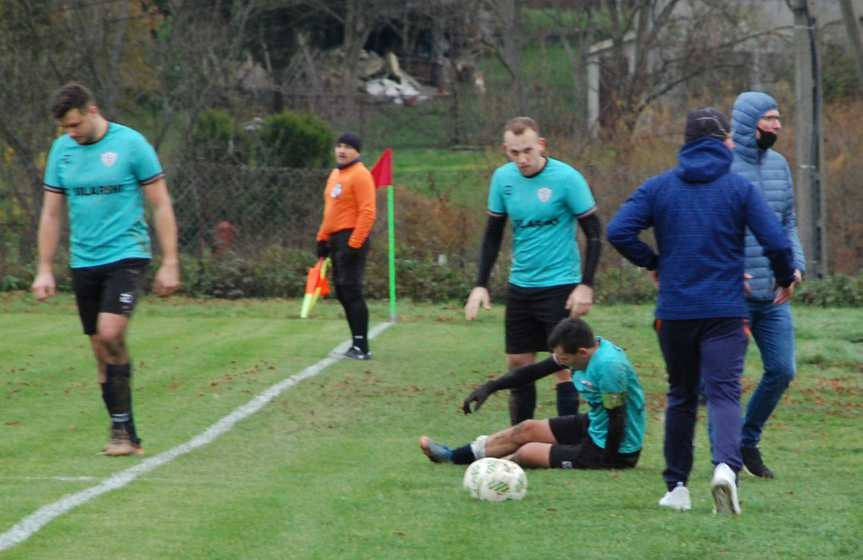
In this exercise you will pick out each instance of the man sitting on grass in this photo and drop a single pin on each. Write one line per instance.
(609, 436)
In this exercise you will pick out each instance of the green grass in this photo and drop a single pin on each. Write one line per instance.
(331, 468)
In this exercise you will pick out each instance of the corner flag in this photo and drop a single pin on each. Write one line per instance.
(382, 173)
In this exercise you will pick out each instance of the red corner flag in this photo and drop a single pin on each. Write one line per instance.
(382, 171)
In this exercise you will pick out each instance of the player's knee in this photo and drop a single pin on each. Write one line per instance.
(525, 431)
(113, 344)
(531, 455)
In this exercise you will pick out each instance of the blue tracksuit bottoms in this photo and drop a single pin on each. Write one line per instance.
(710, 353)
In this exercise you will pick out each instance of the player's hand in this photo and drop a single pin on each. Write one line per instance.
(323, 249)
(654, 276)
(579, 301)
(167, 279)
(478, 396)
(478, 297)
(44, 286)
(747, 289)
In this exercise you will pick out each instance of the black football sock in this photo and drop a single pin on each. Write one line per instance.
(522, 402)
(360, 342)
(119, 395)
(357, 314)
(133, 432)
(106, 397)
(463, 455)
(567, 399)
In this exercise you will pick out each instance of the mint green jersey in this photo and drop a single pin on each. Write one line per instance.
(609, 381)
(542, 209)
(102, 184)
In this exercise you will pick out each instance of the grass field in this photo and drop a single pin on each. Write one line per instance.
(331, 468)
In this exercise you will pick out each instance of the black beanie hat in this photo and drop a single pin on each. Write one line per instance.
(351, 140)
(706, 121)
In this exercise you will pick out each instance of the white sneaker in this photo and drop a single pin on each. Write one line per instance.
(677, 499)
(724, 490)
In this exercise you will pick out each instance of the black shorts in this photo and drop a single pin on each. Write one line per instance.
(531, 313)
(575, 450)
(349, 265)
(109, 288)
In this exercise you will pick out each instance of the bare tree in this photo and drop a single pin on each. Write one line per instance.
(197, 53)
(659, 45)
(42, 45)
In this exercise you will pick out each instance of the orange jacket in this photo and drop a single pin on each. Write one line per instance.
(349, 203)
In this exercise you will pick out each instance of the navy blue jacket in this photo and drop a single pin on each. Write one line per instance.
(699, 213)
(769, 172)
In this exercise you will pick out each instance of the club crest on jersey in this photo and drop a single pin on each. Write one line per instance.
(109, 158)
(544, 194)
(337, 190)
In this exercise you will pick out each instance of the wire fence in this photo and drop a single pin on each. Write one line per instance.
(250, 231)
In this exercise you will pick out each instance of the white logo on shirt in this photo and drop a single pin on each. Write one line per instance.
(337, 190)
(544, 194)
(126, 298)
(109, 158)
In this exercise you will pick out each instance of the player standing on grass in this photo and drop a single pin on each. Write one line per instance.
(349, 214)
(102, 171)
(543, 197)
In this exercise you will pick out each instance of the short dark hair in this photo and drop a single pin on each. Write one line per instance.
(518, 125)
(71, 96)
(571, 334)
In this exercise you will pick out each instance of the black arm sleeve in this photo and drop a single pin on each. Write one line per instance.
(525, 374)
(491, 241)
(616, 429)
(592, 228)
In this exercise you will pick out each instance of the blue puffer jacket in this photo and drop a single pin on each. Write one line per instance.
(769, 172)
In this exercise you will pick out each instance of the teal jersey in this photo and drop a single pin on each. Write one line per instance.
(608, 381)
(102, 184)
(542, 209)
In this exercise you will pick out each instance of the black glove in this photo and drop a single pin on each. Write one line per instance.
(479, 396)
(323, 249)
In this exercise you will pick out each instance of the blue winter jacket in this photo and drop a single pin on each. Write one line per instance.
(699, 213)
(769, 172)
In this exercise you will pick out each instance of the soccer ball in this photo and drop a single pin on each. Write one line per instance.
(495, 480)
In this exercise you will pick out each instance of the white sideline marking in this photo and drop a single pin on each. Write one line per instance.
(54, 478)
(28, 526)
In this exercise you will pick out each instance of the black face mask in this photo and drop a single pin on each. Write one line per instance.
(766, 139)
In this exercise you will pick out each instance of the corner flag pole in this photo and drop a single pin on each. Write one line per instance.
(382, 173)
(391, 234)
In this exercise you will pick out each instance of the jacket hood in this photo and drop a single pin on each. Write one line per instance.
(703, 160)
(749, 107)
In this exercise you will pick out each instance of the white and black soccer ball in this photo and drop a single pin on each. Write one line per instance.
(495, 480)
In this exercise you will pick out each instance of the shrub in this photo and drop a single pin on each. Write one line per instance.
(215, 138)
(272, 271)
(294, 140)
(833, 291)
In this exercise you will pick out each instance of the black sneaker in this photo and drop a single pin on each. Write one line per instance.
(753, 463)
(356, 354)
